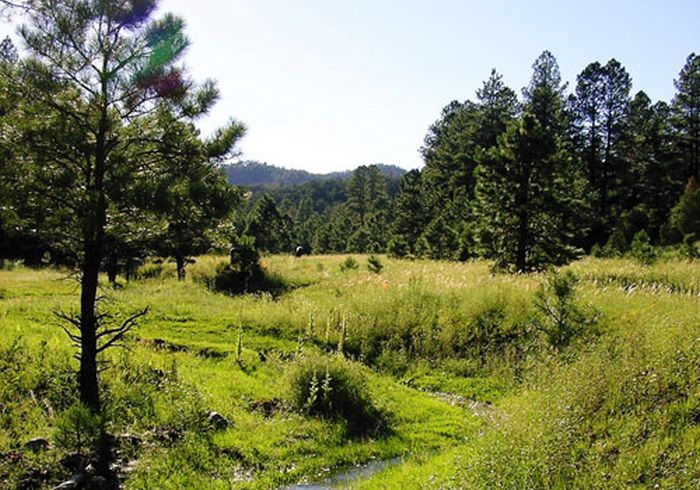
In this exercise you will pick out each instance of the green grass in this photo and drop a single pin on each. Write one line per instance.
(182, 362)
(474, 396)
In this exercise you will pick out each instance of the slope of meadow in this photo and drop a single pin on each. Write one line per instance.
(472, 393)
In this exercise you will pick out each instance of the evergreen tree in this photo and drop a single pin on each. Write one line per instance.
(439, 241)
(192, 195)
(686, 116)
(9, 168)
(8, 52)
(368, 207)
(449, 153)
(685, 216)
(498, 105)
(528, 190)
(305, 220)
(410, 215)
(270, 229)
(95, 70)
(653, 181)
(600, 107)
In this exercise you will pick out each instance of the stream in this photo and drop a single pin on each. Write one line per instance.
(353, 474)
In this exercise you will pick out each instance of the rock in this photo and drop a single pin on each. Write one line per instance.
(217, 421)
(75, 482)
(129, 467)
(67, 485)
(37, 444)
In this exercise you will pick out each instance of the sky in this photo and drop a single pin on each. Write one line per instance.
(326, 85)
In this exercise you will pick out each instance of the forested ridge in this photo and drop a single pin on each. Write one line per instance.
(253, 173)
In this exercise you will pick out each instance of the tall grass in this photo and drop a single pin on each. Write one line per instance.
(612, 408)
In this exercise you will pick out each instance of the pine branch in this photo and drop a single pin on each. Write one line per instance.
(118, 333)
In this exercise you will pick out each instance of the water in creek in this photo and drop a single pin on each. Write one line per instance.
(347, 477)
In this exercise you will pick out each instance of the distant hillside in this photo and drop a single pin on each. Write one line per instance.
(252, 173)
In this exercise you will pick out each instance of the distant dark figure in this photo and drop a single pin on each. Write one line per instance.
(301, 250)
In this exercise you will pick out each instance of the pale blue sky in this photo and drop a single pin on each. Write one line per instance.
(328, 85)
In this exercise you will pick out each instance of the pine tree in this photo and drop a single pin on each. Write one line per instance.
(528, 190)
(8, 52)
(304, 222)
(95, 70)
(270, 228)
(410, 215)
(368, 206)
(498, 105)
(685, 216)
(600, 106)
(686, 116)
(653, 180)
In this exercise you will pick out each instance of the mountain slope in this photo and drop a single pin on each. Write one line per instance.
(252, 173)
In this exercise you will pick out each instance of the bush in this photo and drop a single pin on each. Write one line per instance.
(642, 250)
(79, 430)
(232, 280)
(334, 388)
(616, 244)
(560, 317)
(688, 248)
(349, 264)
(685, 216)
(374, 264)
(153, 270)
(398, 247)
(244, 274)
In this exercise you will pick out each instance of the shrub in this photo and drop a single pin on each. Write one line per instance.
(245, 257)
(688, 248)
(560, 317)
(230, 279)
(79, 430)
(642, 250)
(374, 264)
(244, 274)
(398, 247)
(685, 216)
(153, 270)
(616, 244)
(334, 388)
(349, 264)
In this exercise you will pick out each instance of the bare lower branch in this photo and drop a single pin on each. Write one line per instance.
(72, 319)
(119, 333)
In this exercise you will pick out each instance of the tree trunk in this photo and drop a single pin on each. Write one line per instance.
(112, 268)
(89, 392)
(180, 263)
(521, 256)
(93, 238)
(523, 201)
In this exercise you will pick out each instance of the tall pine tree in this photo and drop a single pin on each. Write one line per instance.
(528, 188)
(686, 116)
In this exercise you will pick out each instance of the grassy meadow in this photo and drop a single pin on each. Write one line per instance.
(455, 360)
